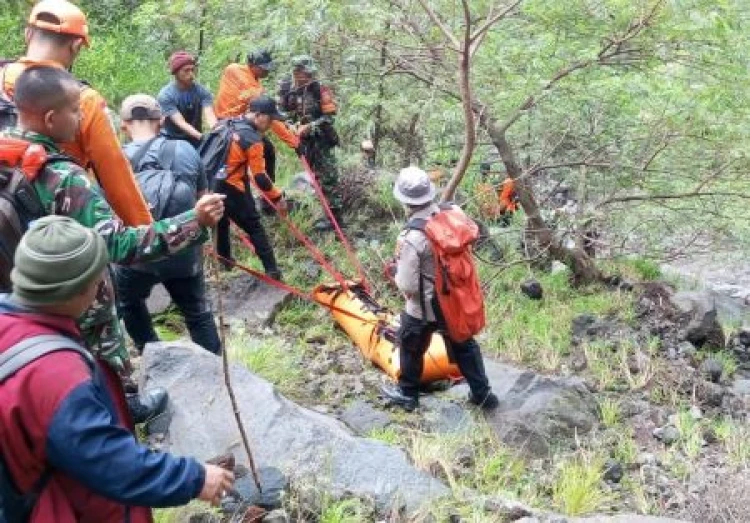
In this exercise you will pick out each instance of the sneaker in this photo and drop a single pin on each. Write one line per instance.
(148, 406)
(489, 402)
(396, 395)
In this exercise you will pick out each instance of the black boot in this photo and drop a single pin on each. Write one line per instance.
(396, 395)
(148, 406)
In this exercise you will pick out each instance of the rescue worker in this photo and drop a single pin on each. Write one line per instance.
(57, 32)
(496, 203)
(181, 275)
(241, 84)
(310, 106)
(48, 100)
(245, 166)
(415, 278)
(63, 436)
(186, 104)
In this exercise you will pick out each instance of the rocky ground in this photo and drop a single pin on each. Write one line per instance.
(640, 407)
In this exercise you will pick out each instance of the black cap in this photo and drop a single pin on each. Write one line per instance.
(261, 58)
(265, 105)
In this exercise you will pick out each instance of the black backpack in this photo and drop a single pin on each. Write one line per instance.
(16, 507)
(166, 192)
(214, 149)
(19, 202)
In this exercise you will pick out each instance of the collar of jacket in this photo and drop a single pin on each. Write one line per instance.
(11, 306)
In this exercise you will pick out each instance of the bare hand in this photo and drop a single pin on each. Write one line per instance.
(217, 484)
(282, 207)
(210, 209)
(302, 130)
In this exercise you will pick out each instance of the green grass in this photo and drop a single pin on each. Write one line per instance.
(578, 489)
(345, 511)
(610, 412)
(388, 435)
(271, 358)
(736, 441)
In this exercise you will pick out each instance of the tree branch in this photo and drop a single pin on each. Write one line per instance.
(492, 20)
(439, 23)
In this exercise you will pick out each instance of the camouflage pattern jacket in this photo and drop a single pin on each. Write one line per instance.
(313, 104)
(64, 189)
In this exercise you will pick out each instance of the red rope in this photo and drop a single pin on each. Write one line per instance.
(324, 201)
(316, 253)
(288, 288)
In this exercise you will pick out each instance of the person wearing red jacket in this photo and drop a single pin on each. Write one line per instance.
(64, 427)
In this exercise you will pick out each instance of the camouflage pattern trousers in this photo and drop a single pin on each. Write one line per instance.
(101, 328)
(322, 161)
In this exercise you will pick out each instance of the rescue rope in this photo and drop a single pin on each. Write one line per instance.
(324, 201)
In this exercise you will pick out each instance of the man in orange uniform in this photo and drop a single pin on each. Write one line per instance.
(246, 166)
(240, 85)
(56, 32)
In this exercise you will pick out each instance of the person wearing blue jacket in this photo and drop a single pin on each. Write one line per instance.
(65, 431)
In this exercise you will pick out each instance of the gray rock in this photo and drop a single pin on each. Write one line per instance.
(613, 471)
(625, 518)
(159, 300)
(741, 387)
(703, 327)
(667, 435)
(250, 301)
(363, 418)
(445, 417)
(687, 350)
(537, 411)
(308, 447)
(712, 369)
(532, 289)
(276, 516)
(272, 481)
(506, 510)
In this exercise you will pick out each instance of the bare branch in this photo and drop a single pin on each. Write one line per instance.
(441, 25)
(675, 196)
(492, 20)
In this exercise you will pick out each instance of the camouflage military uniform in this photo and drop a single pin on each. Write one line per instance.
(64, 189)
(313, 104)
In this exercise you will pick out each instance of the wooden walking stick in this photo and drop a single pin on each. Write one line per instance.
(227, 378)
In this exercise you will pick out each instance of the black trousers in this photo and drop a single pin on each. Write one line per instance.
(239, 206)
(269, 154)
(414, 339)
(188, 294)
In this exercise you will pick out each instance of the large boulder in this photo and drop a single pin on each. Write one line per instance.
(537, 412)
(308, 447)
(248, 301)
(700, 319)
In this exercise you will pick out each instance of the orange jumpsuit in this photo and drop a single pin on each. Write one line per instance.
(237, 88)
(97, 148)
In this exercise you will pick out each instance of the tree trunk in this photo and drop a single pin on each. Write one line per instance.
(582, 266)
(377, 132)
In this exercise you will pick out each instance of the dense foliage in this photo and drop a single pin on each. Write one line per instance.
(663, 116)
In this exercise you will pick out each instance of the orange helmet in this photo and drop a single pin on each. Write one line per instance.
(72, 21)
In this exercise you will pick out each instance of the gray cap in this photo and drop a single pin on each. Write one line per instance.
(140, 107)
(414, 187)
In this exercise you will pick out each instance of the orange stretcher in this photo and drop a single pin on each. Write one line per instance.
(373, 330)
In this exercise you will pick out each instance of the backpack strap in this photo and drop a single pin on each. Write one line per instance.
(31, 349)
(167, 154)
(135, 161)
(419, 224)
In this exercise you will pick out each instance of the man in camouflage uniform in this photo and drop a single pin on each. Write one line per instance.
(311, 107)
(64, 189)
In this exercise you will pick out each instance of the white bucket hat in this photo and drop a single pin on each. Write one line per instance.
(414, 187)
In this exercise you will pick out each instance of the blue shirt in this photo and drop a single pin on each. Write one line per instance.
(189, 103)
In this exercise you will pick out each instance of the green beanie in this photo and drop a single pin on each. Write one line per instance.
(55, 260)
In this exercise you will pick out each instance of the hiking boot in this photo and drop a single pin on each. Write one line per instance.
(148, 406)
(489, 402)
(396, 396)
(275, 274)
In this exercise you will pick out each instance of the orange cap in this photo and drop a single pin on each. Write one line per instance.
(72, 20)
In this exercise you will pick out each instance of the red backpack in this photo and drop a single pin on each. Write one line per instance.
(459, 295)
(20, 163)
